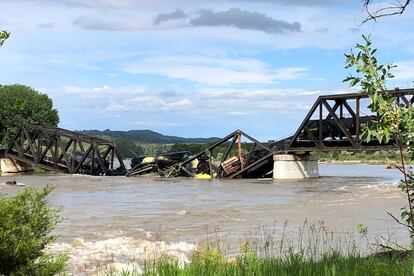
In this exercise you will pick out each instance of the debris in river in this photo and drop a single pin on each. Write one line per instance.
(227, 158)
(14, 183)
(156, 164)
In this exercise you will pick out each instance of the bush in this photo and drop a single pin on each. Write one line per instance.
(26, 222)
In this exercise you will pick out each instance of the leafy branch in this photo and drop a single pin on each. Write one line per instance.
(393, 121)
(4, 35)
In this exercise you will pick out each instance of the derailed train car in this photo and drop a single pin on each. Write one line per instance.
(235, 162)
(157, 164)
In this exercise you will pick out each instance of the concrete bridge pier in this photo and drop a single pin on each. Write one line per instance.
(295, 166)
(9, 165)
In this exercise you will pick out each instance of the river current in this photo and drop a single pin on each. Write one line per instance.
(121, 221)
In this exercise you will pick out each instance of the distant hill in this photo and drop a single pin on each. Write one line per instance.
(149, 137)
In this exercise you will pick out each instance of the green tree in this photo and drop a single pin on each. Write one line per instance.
(128, 148)
(21, 104)
(193, 148)
(3, 37)
(26, 222)
(394, 121)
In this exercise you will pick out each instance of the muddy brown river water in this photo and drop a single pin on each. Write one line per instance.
(124, 220)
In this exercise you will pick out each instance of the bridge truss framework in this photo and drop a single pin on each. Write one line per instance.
(65, 151)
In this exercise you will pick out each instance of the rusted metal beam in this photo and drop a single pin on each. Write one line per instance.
(305, 121)
(251, 165)
(318, 143)
(338, 122)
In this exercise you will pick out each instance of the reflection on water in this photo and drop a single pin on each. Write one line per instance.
(132, 211)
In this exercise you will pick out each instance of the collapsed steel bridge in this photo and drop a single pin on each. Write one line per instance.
(61, 150)
(253, 164)
(334, 123)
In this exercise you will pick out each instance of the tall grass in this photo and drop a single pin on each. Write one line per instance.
(294, 264)
(313, 251)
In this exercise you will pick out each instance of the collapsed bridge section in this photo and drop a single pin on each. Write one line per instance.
(64, 151)
(253, 163)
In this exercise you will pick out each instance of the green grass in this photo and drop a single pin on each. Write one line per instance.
(211, 262)
(294, 266)
(366, 156)
(39, 170)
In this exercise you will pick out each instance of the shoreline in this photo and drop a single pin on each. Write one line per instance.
(356, 162)
(351, 162)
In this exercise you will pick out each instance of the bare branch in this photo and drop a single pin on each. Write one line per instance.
(395, 8)
(394, 243)
(399, 222)
(383, 246)
(402, 171)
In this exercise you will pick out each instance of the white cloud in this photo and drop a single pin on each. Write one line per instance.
(153, 124)
(233, 102)
(213, 70)
(104, 91)
(405, 70)
(154, 103)
(122, 25)
(256, 101)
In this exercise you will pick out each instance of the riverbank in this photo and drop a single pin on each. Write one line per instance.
(315, 251)
(385, 157)
(352, 162)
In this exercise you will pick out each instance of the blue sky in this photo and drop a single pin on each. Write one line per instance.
(192, 68)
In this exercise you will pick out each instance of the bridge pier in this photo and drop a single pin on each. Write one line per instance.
(295, 166)
(9, 165)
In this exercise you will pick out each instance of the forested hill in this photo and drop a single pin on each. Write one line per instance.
(149, 137)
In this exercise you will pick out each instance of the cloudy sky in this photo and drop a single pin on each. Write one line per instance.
(191, 67)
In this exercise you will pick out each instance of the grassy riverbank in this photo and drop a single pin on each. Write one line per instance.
(247, 263)
(368, 156)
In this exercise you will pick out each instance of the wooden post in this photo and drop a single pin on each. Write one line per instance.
(357, 121)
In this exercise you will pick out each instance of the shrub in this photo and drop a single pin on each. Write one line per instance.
(26, 222)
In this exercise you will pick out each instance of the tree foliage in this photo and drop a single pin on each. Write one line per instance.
(26, 222)
(394, 121)
(4, 35)
(21, 104)
(128, 148)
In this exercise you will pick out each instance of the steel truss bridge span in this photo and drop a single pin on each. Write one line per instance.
(61, 150)
(335, 122)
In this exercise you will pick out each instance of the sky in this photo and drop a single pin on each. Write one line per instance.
(192, 68)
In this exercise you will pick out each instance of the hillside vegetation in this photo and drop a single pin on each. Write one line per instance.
(147, 136)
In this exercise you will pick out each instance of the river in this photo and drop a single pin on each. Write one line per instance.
(122, 220)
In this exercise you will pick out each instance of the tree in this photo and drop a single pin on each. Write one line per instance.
(128, 148)
(380, 9)
(26, 222)
(3, 37)
(21, 104)
(395, 121)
